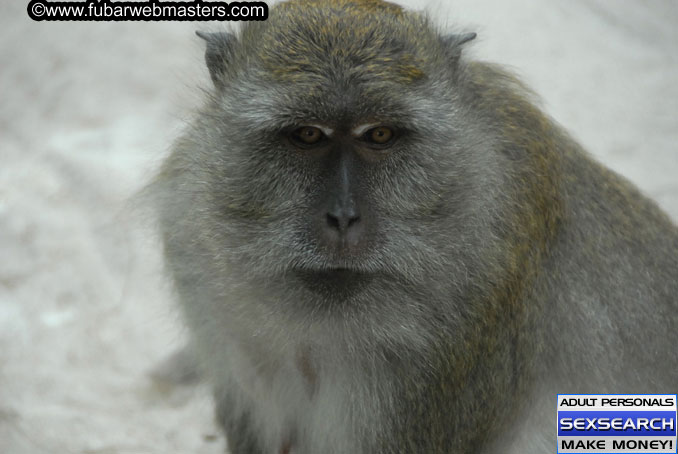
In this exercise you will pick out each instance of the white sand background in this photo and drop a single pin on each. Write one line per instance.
(87, 110)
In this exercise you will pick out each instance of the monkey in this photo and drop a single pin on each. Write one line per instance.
(381, 245)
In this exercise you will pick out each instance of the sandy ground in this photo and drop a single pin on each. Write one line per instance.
(87, 110)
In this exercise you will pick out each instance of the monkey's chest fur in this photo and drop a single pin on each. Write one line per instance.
(294, 399)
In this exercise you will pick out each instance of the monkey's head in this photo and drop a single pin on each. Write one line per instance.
(339, 151)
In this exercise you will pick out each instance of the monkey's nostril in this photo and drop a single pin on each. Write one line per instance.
(333, 222)
(353, 220)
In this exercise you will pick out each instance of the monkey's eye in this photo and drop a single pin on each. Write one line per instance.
(380, 136)
(307, 135)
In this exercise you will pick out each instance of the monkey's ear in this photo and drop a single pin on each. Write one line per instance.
(455, 41)
(218, 54)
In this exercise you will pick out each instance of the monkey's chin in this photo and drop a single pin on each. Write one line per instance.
(333, 283)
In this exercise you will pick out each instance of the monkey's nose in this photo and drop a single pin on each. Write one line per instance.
(343, 225)
(342, 219)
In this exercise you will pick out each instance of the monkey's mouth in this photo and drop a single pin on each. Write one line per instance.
(333, 282)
